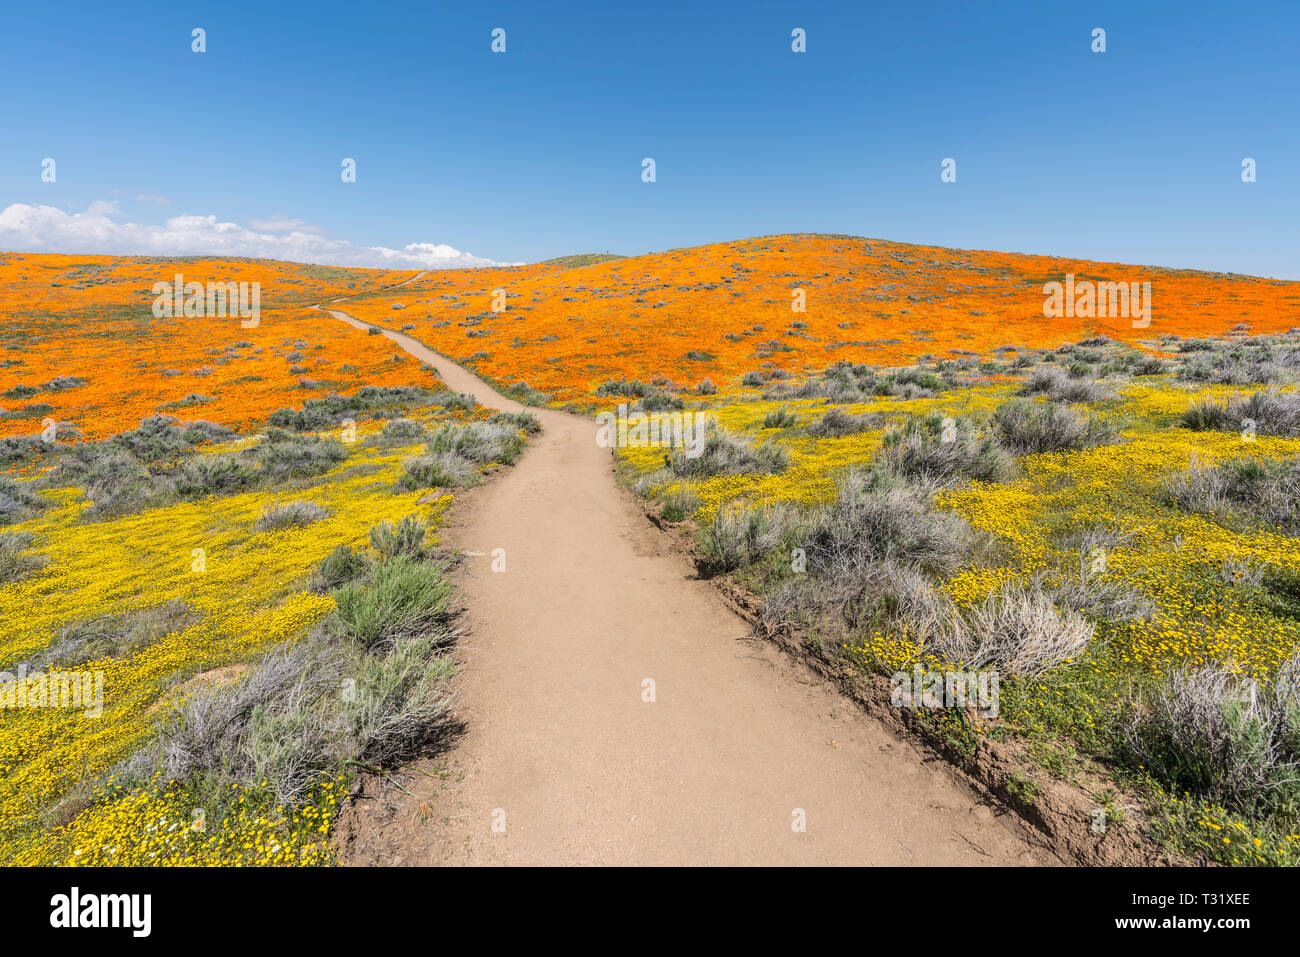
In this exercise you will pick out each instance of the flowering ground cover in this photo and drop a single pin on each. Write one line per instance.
(79, 343)
(720, 311)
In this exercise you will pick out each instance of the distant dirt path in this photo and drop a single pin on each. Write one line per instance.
(593, 601)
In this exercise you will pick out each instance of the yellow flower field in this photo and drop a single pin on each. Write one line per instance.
(248, 597)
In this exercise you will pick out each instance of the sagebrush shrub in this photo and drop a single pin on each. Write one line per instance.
(401, 431)
(1054, 382)
(1026, 427)
(404, 599)
(926, 448)
(439, 470)
(289, 515)
(875, 518)
(404, 538)
(284, 455)
(725, 453)
(1268, 412)
(1263, 490)
(1222, 736)
(837, 423)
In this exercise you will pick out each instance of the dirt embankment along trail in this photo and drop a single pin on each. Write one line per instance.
(562, 749)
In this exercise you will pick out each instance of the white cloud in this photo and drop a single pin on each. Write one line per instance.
(284, 224)
(25, 228)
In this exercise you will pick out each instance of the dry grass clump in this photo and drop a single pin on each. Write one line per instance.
(725, 453)
(1263, 490)
(16, 561)
(745, 535)
(1220, 735)
(1268, 412)
(17, 501)
(298, 514)
(1055, 383)
(1018, 629)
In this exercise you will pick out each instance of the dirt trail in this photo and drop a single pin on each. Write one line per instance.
(592, 602)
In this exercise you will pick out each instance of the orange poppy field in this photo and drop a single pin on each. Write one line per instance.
(81, 345)
(78, 329)
(718, 311)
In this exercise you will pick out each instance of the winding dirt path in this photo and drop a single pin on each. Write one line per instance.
(561, 747)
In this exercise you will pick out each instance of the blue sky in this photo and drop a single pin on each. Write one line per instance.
(1133, 155)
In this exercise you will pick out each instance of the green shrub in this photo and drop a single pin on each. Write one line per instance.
(522, 392)
(404, 599)
(454, 454)
(525, 422)
(328, 412)
(478, 442)
(455, 400)
(624, 387)
(401, 700)
(157, 437)
(781, 418)
(212, 475)
(298, 456)
(339, 567)
(405, 538)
